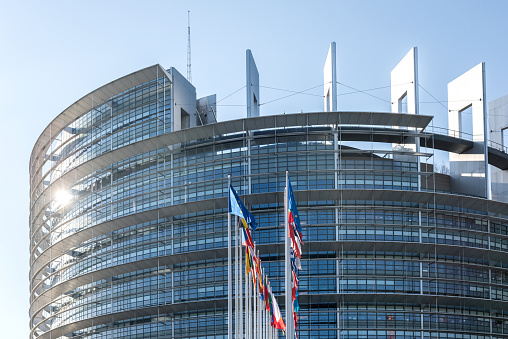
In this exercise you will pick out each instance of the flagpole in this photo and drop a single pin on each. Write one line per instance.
(236, 280)
(250, 305)
(260, 319)
(246, 296)
(260, 332)
(267, 326)
(289, 301)
(230, 276)
(247, 302)
(240, 252)
(255, 301)
(267, 319)
(264, 308)
(252, 309)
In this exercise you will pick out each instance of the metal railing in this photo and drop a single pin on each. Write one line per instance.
(498, 146)
(464, 136)
(449, 132)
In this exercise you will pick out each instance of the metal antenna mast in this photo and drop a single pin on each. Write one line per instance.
(189, 76)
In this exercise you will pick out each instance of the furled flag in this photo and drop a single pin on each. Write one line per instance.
(247, 238)
(296, 305)
(298, 263)
(295, 234)
(260, 279)
(254, 270)
(236, 207)
(295, 319)
(269, 304)
(294, 283)
(293, 210)
(278, 322)
(267, 294)
(295, 229)
(294, 280)
(248, 262)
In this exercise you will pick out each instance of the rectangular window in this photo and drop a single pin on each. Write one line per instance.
(504, 137)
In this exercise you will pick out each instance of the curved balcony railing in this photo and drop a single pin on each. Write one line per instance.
(463, 135)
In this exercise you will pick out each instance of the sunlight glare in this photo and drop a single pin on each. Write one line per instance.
(63, 197)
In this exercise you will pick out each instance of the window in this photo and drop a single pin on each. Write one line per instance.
(466, 122)
(402, 102)
(504, 138)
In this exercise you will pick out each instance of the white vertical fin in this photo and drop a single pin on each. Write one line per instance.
(404, 90)
(330, 80)
(469, 170)
(404, 83)
(252, 86)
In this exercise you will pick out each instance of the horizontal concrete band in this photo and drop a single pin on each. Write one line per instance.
(42, 203)
(221, 253)
(240, 125)
(488, 207)
(430, 280)
(304, 299)
(348, 133)
(53, 293)
(442, 142)
(423, 198)
(141, 312)
(34, 232)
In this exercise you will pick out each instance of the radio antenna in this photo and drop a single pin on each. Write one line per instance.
(189, 76)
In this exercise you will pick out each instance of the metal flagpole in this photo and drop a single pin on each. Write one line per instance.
(240, 252)
(267, 328)
(254, 303)
(230, 276)
(247, 303)
(289, 301)
(251, 302)
(267, 317)
(264, 309)
(236, 279)
(246, 296)
(259, 302)
(260, 323)
(251, 328)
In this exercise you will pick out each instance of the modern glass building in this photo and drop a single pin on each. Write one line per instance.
(128, 219)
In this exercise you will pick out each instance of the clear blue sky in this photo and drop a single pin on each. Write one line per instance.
(54, 52)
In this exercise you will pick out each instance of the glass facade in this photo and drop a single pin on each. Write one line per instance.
(128, 233)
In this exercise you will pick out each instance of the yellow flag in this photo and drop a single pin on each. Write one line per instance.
(247, 261)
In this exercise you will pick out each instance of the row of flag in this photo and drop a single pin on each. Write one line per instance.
(253, 266)
(261, 286)
(261, 283)
(295, 235)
